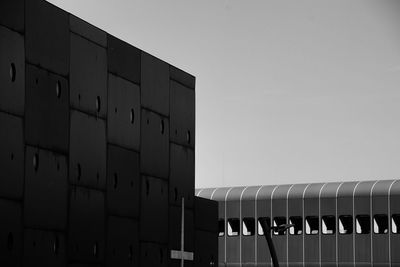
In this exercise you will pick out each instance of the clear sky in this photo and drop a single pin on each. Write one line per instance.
(287, 91)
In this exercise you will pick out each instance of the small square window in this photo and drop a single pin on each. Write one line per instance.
(396, 223)
(381, 224)
(328, 225)
(297, 228)
(260, 220)
(312, 226)
(233, 227)
(277, 222)
(345, 224)
(221, 227)
(363, 224)
(248, 226)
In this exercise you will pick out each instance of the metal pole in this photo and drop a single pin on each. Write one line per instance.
(267, 234)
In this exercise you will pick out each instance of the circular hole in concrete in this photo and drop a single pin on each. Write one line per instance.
(162, 127)
(56, 245)
(13, 72)
(96, 249)
(98, 103)
(58, 89)
(36, 162)
(132, 116)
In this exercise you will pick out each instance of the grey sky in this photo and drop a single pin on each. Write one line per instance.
(287, 91)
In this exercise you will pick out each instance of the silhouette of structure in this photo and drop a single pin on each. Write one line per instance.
(334, 224)
(97, 144)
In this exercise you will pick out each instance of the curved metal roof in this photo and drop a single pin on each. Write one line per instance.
(330, 190)
(297, 191)
(250, 192)
(314, 190)
(363, 189)
(381, 188)
(324, 190)
(281, 191)
(395, 188)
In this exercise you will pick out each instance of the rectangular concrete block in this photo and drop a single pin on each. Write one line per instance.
(182, 176)
(154, 141)
(123, 59)
(11, 156)
(88, 76)
(206, 215)
(155, 84)
(88, 155)
(122, 242)
(123, 113)
(47, 109)
(47, 36)
(10, 233)
(86, 240)
(182, 118)
(123, 182)
(154, 210)
(87, 30)
(182, 77)
(44, 248)
(46, 190)
(12, 71)
(12, 14)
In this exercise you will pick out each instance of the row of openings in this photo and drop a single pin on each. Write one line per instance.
(35, 163)
(162, 125)
(188, 137)
(97, 104)
(58, 91)
(58, 87)
(131, 114)
(328, 224)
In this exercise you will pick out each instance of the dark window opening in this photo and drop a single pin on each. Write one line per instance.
(396, 223)
(221, 227)
(381, 224)
(233, 227)
(297, 229)
(312, 226)
(260, 220)
(328, 225)
(363, 224)
(277, 222)
(345, 224)
(248, 226)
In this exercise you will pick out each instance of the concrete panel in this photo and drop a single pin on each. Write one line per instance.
(12, 70)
